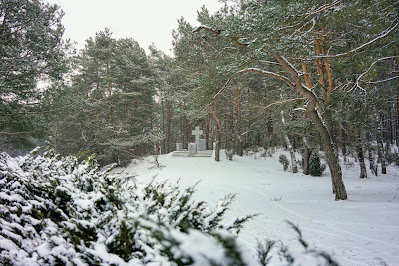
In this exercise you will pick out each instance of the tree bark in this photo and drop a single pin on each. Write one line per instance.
(306, 156)
(315, 116)
(343, 143)
(320, 125)
(380, 146)
(328, 69)
(207, 123)
(110, 95)
(396, 70)
(294, 165)
(306, 151)
(218, 131)
(289, 145)
(372, 165)
(319, 67)
(238, 130)
(360, 155)
(326, 93)
(168, 125)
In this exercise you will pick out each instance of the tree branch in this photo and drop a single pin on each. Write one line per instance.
(15, 133)
(234, 39)
(278, 103)
(207, 28)
(267, 73)
(357, 85)
(382, 35)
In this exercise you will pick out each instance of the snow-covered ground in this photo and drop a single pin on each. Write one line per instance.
(363, 230)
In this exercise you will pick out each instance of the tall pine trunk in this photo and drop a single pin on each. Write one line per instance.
(360, 155)
(396, 70)
(218, 133)
(168, 125)
(238, 130)
(111, 112)
(288, 143)
(380, 146)
(306, 156)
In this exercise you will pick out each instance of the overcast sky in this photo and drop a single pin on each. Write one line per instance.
(146, 21)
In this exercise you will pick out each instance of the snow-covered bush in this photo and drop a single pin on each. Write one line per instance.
(284, 161)
(58, 211)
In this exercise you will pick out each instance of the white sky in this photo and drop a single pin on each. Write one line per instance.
(146, 21)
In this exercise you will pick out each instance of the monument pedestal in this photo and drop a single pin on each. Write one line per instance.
(195, 149)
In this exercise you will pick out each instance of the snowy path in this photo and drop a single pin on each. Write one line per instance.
(363, 230)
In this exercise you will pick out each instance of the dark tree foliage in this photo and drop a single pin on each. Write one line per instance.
(315, 166)
(31, 49)
(111, 107)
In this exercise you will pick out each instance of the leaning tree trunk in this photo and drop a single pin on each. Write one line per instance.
(314, 114)
(331, 154)
(306, 151)
(328, 143)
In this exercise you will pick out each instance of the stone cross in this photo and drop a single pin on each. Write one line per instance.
(197, 132)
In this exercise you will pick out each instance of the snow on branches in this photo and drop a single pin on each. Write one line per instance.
(59, 211)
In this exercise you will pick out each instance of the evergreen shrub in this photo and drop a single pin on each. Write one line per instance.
(62, 211)
(59, 211)
(284, 161)
(315, 166)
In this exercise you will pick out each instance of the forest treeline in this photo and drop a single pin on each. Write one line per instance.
(308, 76)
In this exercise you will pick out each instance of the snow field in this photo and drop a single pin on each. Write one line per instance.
(363, 230)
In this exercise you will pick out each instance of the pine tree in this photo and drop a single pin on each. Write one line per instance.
(31, 49)
(315, 166)
(114, 109)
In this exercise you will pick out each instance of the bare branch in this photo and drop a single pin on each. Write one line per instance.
(267, 73)
(15, 133)
(207, 28)
(278, 103)
(383, 80)
(222, 89)
(357, 85)
(234, 39)
(323, 8)
(250, 128)
(268, 62)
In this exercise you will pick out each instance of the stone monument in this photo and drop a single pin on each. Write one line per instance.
(202, 145)
(179, 146)
(197, 133)
(195, 149)
(192, 149)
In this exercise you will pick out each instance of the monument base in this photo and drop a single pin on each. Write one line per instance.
(207, 153)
